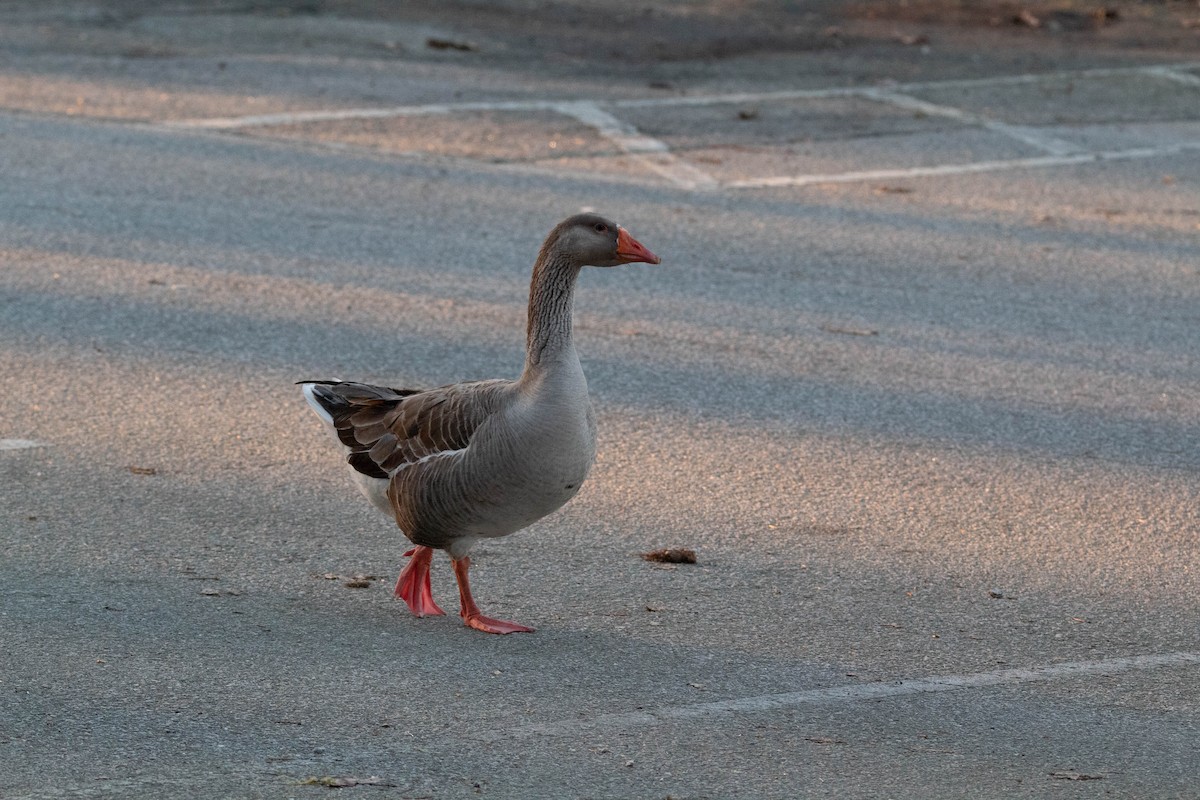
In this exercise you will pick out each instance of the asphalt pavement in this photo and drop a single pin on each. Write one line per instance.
(918, 381)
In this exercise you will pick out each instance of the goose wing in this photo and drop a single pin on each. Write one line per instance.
(386, 429)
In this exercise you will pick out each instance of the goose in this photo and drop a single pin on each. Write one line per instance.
(483, 459)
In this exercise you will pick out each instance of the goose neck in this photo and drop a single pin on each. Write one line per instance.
(551, 304)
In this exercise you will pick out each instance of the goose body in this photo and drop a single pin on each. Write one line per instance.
(484, 459)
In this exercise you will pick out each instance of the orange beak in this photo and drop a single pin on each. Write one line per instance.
(630, 250)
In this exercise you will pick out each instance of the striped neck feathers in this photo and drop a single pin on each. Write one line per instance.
(551, 304)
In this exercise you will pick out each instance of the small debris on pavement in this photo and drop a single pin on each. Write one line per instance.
(350, 581)
(1027, 18)
(343, 782)
(449, 44)
(671, 555)
(1067, 19)
(849, 331)
(143, 470)
(1073, 775)
(910, 39)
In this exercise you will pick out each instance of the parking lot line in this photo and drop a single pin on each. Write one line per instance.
(1171, 74)
(1176, 72)
(342, 114)
(1022, 133)
(850, 693)
(1042, 77)
(656, 156)
(20, 444)
(935, 170)
(650, 151)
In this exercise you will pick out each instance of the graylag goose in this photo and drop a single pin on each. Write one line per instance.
(480, 460)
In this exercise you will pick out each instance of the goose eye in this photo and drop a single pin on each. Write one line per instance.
(600, 227)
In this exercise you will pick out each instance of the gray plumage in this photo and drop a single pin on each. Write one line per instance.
(484, 459)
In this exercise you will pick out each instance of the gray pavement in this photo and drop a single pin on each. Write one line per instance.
(918, 380)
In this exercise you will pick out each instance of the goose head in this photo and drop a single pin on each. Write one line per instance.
(595, 241)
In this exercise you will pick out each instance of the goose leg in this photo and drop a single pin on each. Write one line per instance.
(413, 584)
(470, 612)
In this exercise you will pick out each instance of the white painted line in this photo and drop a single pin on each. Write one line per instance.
(337, 115)
(679, 172)
(1185, 78)
(650, 151)
(20, 444)
(901, 88)
(737, 97)
(1022, 133)
(619, 131)
(1171, 71)
(1039, 77)
(964, 169)
(656, 155)
(851, 693)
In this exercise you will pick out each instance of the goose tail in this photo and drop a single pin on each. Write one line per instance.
(324, 403)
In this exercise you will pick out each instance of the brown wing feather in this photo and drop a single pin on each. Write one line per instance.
(385, 429)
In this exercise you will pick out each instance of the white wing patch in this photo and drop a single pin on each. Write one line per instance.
(313, 403)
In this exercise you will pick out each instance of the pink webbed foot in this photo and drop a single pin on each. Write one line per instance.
(488, 625)
(470, 613)
(413, 584)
